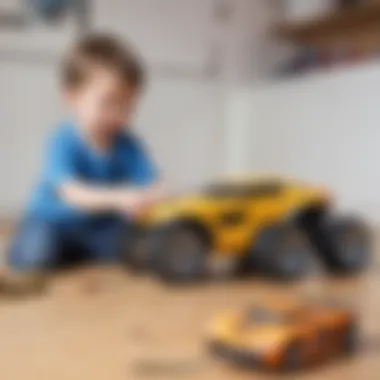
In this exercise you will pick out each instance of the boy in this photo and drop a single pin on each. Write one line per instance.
(96, 175)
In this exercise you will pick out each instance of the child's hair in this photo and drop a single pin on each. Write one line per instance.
(106, 51)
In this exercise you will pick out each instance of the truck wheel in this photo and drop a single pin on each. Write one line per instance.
(280, 251)
(179, 254)
(342, 245)
(136, 256)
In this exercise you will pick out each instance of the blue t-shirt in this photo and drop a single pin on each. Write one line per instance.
(68, 157)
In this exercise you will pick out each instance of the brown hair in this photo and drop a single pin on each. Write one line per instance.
(102, 50)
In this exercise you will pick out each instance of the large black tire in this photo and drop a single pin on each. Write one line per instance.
(180, 253)
(136, 255)
(342, 245)
(279, 251)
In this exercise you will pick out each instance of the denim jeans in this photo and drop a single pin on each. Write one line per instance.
(39, 244)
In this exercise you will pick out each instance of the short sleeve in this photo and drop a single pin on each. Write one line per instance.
(60, 160)
(142, 169)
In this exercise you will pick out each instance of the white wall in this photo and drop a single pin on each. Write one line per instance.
(323, 128)
(181, 116)
(29, 107)
(168, 32)
(301, 10)
(249, 47)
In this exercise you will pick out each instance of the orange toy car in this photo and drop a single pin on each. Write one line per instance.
(284, 336)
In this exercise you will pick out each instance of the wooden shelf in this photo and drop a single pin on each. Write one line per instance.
(346, 23)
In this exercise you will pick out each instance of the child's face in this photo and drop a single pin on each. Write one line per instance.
(103, 104)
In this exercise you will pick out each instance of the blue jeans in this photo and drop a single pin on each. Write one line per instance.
(39, 245)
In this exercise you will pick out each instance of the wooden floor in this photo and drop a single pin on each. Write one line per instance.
(114, 326)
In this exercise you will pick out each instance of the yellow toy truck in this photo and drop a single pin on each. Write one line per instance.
(272, 226)
(284, 335)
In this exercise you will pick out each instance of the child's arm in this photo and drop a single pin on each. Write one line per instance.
(127, 200)
(97, 199)
(63, 175)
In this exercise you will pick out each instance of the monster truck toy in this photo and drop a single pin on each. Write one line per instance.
(268, 225)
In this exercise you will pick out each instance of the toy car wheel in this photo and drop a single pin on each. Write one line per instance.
(280, 251)
(292, 357)
(136, 255)
(350, 340)
(234, 356)
(343, 245)
(180, 254)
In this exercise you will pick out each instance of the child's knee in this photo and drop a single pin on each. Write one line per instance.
(107, 244)
(34, 246)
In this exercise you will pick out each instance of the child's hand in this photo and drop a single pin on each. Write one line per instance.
(137, 202)
(156, 194)
(150, 198)
(130, 202)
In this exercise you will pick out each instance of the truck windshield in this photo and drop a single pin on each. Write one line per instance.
(244, 190)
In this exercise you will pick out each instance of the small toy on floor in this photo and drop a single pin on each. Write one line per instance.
(284, 336)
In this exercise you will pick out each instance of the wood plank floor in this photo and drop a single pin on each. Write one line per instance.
(114, 326)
